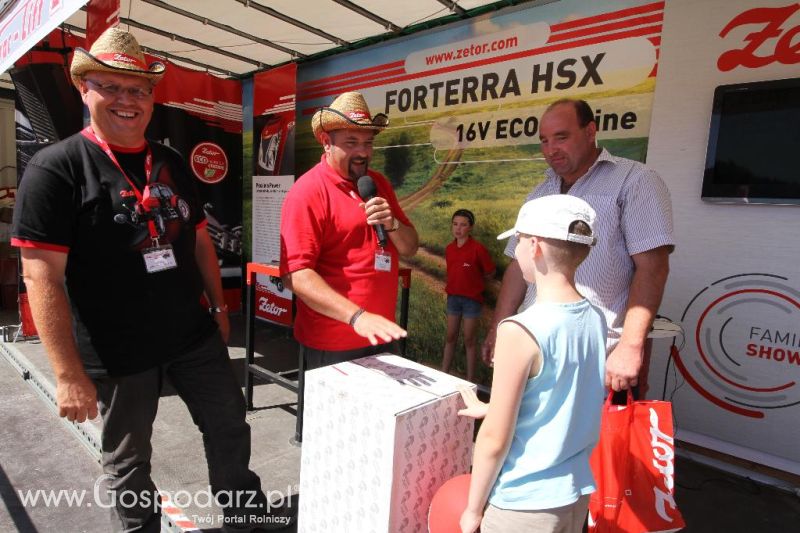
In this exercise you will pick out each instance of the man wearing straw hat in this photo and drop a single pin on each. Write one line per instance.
(116, 256)
(331, 255)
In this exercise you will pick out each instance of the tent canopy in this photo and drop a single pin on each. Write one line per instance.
(234, 38)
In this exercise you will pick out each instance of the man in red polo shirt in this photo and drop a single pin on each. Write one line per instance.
(346, 283)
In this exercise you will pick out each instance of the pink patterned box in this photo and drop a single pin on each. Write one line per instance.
(380, 435)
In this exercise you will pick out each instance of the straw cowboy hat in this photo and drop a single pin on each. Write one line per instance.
(348, 112)
(115, 51)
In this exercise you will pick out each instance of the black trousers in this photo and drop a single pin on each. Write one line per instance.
(317, 358)
(204, 380)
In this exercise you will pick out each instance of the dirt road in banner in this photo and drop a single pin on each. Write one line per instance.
(431, 267)
(443, 171)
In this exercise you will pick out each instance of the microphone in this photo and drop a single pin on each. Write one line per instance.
(121, 218)
(367, 191)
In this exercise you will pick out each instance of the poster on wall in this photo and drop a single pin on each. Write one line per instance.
(47, 109)
(734, 282)
(273, 300)
(200, 116)
(464, 104)
(273, 168)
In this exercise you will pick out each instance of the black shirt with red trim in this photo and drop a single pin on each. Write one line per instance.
(73, 199)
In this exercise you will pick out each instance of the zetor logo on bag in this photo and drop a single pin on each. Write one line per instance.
(634, 468)
(664, 462)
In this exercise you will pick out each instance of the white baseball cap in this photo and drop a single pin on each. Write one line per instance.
(551, 217)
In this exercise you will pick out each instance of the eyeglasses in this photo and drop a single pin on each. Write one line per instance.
(115, 90)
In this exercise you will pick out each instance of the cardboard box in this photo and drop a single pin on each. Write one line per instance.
(380, 436)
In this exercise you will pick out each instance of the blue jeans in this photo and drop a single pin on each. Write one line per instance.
(463, 306)
(204, 380)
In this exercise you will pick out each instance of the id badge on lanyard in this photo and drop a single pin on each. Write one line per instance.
(383, 258)
(158, 258)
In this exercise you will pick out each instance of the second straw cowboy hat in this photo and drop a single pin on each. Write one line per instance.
(348, 112)
(115, 51)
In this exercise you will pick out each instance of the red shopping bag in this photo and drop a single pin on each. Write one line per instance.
(634, 468)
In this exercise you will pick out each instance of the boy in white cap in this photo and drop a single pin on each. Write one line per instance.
(531, 457)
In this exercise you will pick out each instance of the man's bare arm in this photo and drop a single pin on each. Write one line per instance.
(43, 273)
(405, 239)
(647, 289)
(319, 296)
(207, 263)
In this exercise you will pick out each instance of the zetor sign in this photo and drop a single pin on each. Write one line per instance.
(209, 162)
(769, 39)
(25, 22)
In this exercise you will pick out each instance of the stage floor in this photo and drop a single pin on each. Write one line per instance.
(39, 451)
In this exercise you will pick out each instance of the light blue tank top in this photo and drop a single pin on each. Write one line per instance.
(547, 465)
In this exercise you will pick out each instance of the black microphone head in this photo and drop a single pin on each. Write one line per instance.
(121, 218)
(366, 188)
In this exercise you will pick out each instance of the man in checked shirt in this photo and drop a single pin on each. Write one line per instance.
(626, 272)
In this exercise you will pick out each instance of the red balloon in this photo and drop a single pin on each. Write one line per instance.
(448, 504)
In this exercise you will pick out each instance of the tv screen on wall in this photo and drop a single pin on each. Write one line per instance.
(753, 151)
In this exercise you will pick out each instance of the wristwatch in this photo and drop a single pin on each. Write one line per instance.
(218, 309)
(395, 225)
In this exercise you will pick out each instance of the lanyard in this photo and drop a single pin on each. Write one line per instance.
(89, 133)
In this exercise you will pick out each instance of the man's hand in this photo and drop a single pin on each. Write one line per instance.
(76, 398)
(470, 521)
(487, 350)
(405, 238)
(475, 408)
(623, 365)
(379, 212)
(377, 329)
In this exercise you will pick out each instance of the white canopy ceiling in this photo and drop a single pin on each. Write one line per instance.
(237, 37)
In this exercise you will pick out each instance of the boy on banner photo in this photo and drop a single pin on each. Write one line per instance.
(469, 267)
